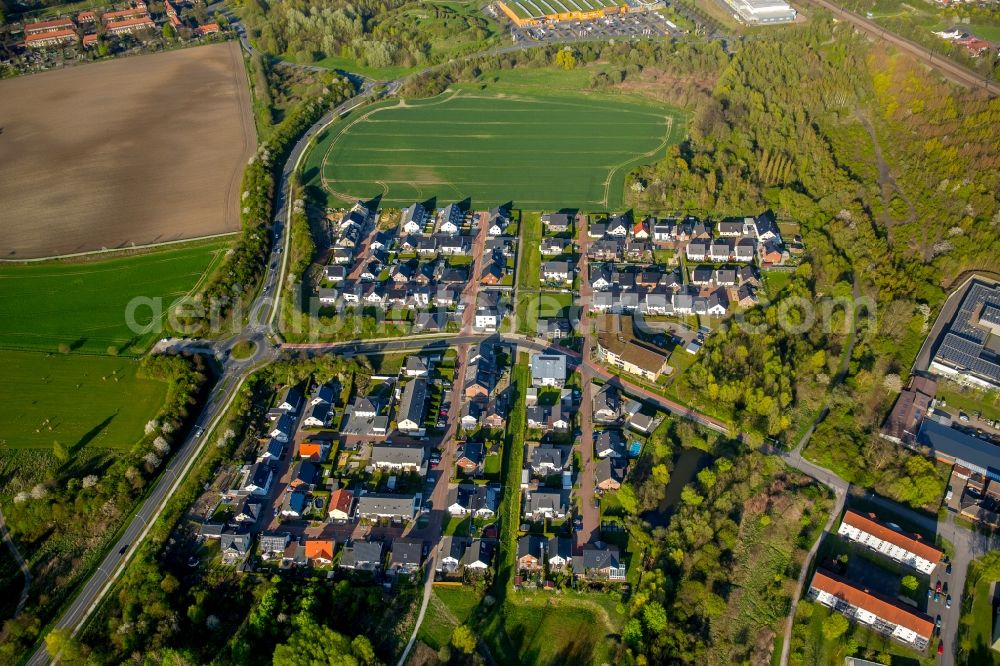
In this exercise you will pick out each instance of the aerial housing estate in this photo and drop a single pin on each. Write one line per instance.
(876, 612)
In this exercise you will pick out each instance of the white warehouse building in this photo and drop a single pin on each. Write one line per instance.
(757, 12)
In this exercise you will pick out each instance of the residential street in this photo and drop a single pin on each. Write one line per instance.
(262, 330)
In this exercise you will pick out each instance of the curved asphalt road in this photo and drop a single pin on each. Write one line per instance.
(260, 328)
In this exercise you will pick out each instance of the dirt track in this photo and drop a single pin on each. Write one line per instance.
(136, 150)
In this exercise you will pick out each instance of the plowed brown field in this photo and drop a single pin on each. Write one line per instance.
(136, 150)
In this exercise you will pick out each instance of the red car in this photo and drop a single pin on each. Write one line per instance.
(938, 588)
(940, 648)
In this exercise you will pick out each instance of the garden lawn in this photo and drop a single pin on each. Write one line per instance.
(83, 304)
(74, 399)
(448, 607)
(978, 629)
(541, 152)
(543, 630)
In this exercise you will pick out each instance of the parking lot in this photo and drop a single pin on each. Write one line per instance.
(631, 26)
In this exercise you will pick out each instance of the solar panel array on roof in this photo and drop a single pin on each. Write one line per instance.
(967, 346)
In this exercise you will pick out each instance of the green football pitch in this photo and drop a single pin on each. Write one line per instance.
(539, 152)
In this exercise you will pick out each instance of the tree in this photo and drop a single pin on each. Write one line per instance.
(565, 58)
(654, 616)
(834, 626)
(632, 633)
(463, 639)
(316, 644)
(64, 348)
(909, 583)
(60, 643)
(169, 34)
(60, 451)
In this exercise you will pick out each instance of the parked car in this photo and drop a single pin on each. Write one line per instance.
(930, 592)
(937, 622)
(962, 416)
(940, 648)
(947, 601)
(937, 597)
(937, 588)
(947, 569)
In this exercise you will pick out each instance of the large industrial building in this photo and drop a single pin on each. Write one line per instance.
(534, 12)
(954, 447)
(761, 12)
(969, 351)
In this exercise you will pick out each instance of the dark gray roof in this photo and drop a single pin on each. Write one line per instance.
(411, 404)
(530, 544)
(594, 558)
(547, 455)
(362, 552)
(479, 551)
(561, 547)
(305, 472)
(239, 541)
(965, 449)
(407, 551)
(544, 499)
(384, 504)
(294, 501)
(396, 454)
(259, 474)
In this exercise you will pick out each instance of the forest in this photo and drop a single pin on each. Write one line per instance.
(370, 33)
(894, 177)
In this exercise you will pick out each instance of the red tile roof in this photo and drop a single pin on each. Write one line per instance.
(861, 598)
(207, 29)
(51, 34)
(132, 12)
(912, 544)
(319, 548)
(310, 449)
(143, 21)
(42, 26)
(341, 500)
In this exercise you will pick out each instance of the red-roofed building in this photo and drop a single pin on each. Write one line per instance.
(207, 29)
(907, 549)
(320, 551)
(313, 450)
(86, 17)
(139, 11)
(974, 45)
(56, 25)
(171, 14)
(872, 611)
(340, 504)
(129, 25)
(90, 40)
(50, 38)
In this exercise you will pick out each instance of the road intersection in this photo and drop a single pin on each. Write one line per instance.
(262, 332)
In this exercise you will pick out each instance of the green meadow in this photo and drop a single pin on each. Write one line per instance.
(83, 304)
(77, 399)
(539, 151)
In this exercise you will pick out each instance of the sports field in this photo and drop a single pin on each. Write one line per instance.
(76, 399)
(540, 152)
(83, 304)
